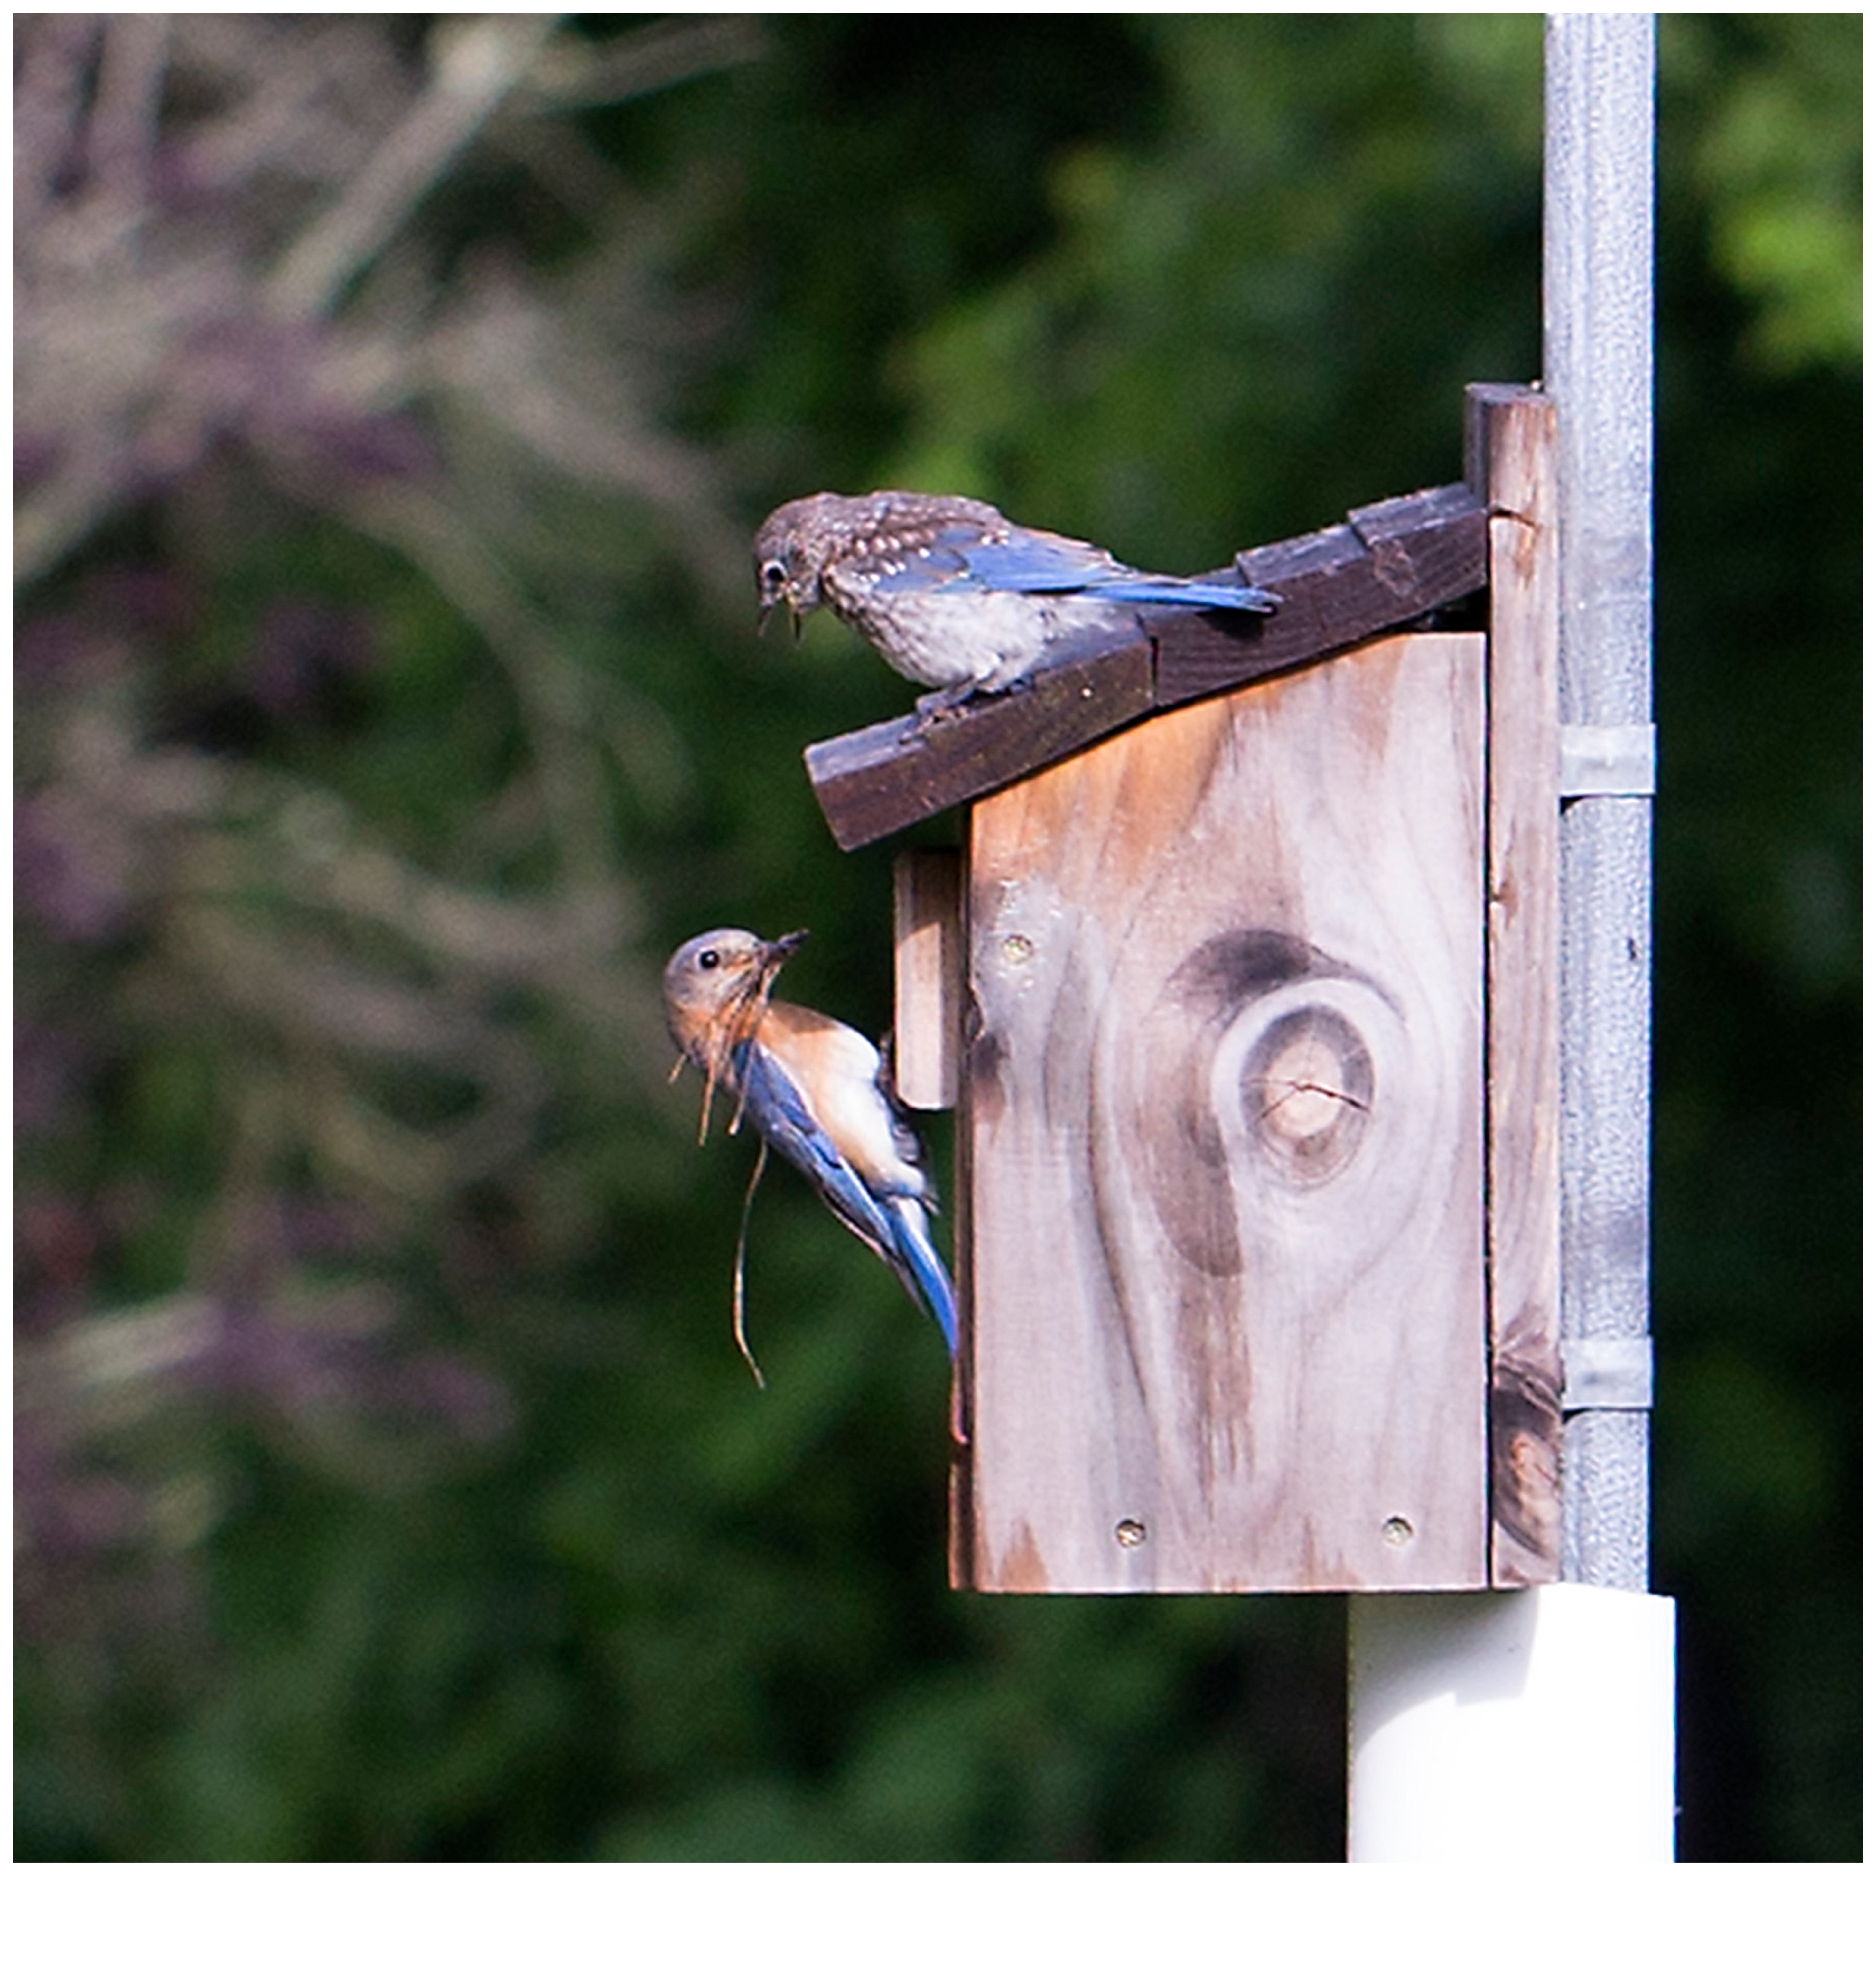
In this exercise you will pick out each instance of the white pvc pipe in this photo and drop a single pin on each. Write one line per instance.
(1535, 1725)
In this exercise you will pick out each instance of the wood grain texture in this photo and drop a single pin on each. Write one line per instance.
(928, 976)
(1388, 564)
(1222, 1139)
(1511, 440)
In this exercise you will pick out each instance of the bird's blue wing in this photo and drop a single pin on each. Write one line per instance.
(1032, 562)
(894, 1232)
(957, 554)
(1025, 562)
(771, 1098)
(1029, 562)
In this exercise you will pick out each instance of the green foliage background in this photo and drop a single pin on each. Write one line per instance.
(388, 1485)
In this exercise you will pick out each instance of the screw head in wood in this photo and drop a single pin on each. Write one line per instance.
(1130, 1533)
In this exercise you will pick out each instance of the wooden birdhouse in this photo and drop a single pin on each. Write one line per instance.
(1245, 986)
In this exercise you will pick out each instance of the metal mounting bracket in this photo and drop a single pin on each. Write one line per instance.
(1608, 1373)
(1607, 760)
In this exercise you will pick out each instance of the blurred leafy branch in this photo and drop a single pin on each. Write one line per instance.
(1779, 164)
(337, 355)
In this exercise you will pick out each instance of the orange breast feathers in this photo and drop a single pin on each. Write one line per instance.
(837, 1071)
(700, 1029)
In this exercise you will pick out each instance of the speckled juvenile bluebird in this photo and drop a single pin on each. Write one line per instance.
(819, 1094)
(950, 591)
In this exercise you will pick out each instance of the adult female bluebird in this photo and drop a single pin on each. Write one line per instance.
(817, 1091)
(950, 591)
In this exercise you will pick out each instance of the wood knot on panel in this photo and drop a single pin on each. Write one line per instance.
(1309, 1088)
(1243, 1023)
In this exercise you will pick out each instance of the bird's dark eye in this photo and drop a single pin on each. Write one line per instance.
(709, 958)
(774, 575)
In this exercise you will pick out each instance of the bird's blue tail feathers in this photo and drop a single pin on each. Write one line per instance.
(921, 1266)
(1147, 592)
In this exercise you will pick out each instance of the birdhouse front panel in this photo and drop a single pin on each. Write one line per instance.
(1221, 1145)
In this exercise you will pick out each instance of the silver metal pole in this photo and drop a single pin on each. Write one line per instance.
(1598, 364)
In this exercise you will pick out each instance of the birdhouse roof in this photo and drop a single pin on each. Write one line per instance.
(1388, 564)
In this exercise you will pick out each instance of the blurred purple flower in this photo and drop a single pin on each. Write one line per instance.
(290, 1364)
(53, 1066)
(395, 445)
(35, 457)
(276, 387)
(471, 1402)
(155, 601)
(62, 1515)
(71, 867)
(55, 1246)
(49, 646)
(319, 1227)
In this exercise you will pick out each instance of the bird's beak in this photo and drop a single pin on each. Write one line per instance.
(774, 953)
(764, 608)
